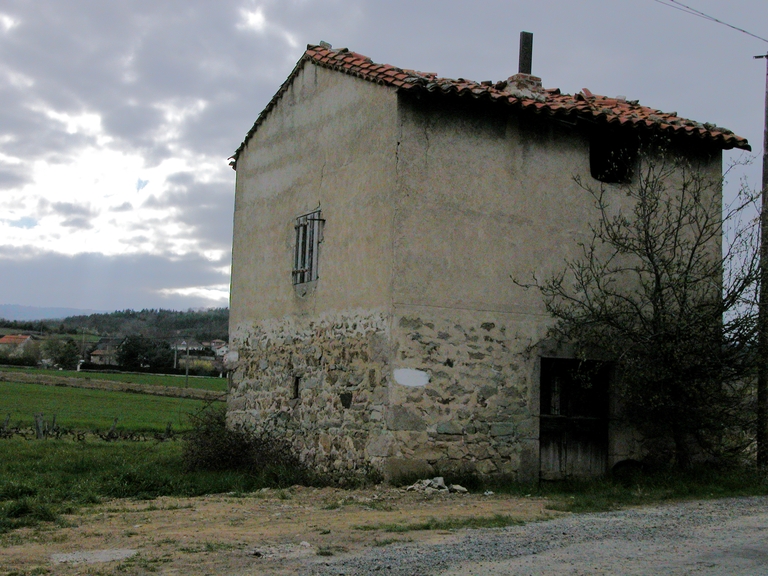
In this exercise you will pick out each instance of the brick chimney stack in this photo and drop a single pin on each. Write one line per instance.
(524, 84)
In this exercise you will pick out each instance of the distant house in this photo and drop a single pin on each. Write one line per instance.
(218, 347)
(105, 351)
(188, 344)
(14, 340)
(16, 345)
(380, 214)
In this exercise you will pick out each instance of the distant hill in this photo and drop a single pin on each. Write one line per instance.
(201, 325)
(16, 312)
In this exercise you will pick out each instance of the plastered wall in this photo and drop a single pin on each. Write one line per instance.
(416, 351)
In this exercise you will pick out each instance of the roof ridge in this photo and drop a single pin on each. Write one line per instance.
(526, 96)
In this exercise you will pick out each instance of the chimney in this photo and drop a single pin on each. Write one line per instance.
(523, 84)
(526, 53)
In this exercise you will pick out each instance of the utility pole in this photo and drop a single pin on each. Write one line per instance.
(762, 327)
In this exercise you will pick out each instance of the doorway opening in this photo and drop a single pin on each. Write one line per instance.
(573, 431)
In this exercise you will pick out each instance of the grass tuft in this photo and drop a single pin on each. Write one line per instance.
(601, 495)
(26, 508)
(13, 491)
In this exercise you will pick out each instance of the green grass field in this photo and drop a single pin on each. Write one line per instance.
(39, 480)
(201, 382)
(83, 409)
(78, 338)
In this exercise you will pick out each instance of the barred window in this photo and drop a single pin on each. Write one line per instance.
(308, 238)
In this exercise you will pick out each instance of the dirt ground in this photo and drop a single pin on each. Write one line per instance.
(269, 532)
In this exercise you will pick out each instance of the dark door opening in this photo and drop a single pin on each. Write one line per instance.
(573, 431)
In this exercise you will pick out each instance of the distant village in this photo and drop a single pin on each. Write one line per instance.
(158, 341)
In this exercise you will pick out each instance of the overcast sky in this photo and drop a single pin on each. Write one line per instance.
(117, 118)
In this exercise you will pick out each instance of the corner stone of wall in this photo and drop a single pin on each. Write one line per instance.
(339, 364)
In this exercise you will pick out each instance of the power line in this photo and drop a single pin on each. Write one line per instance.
(688, 10)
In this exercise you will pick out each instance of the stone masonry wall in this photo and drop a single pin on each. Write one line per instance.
(472, 411)
(475, 413)
(341, 362)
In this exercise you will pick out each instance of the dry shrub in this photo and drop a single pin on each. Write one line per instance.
(213, 446)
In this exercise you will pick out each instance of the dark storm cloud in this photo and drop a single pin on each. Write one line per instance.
(205, 208)
(149, 224)
(136, 240)
(123, 60)
(99, 282)
(70, 209)
(124, 207)
(78, 222)
(13, 178)
(77, 216)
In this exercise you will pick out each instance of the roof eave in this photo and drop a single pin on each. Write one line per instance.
(551, 103)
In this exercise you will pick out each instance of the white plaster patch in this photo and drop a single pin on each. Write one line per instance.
(411, 378)
(231, 359)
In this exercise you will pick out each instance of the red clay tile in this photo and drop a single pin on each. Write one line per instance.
(584, 103)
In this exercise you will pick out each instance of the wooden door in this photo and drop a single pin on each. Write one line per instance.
(573, 432)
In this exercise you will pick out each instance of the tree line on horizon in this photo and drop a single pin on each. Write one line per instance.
(209, 324)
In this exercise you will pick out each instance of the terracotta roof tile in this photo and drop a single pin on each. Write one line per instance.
(550, 101)
(14, 339)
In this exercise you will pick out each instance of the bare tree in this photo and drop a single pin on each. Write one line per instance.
(666, 288)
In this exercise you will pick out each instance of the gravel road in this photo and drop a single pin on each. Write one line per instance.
(712, 538)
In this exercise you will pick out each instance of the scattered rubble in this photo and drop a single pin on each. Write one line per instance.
(436, 484)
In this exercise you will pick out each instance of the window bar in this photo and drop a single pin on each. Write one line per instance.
(296, 228)
(310, 249)
(315, 245)
(308, 237)
(300, 254)
(304, 250)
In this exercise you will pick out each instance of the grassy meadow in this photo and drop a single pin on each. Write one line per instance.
(84, 409)
(42, 479)
(201, 382)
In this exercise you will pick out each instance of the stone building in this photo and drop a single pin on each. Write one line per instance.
(380, 215)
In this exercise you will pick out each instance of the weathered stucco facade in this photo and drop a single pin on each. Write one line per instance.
(413, 351)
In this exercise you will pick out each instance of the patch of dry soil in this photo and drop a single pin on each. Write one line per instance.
(276, 532)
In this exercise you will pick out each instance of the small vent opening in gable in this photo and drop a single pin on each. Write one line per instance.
(613, 156)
